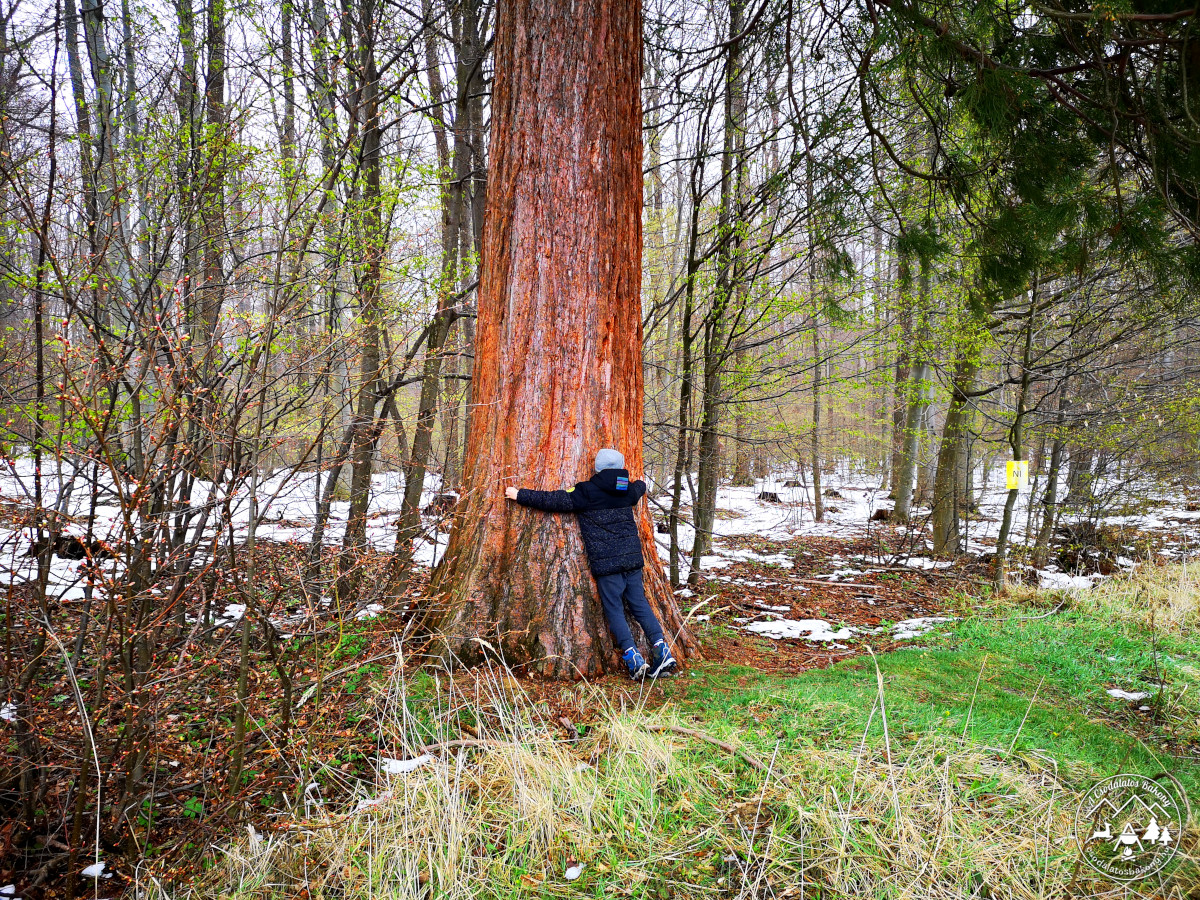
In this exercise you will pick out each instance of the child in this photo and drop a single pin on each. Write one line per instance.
(604, 505)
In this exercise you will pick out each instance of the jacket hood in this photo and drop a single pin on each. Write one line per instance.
(608, 480)
(609, 459)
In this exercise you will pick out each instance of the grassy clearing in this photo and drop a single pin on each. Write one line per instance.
(954, 770)
(1025, 673)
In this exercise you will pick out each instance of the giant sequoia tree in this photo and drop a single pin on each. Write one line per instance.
(558, 355)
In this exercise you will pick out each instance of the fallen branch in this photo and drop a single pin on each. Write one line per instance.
(708, 738)
(466, 742)
(818, 582)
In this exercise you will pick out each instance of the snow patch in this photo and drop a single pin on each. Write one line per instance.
(1126, 695)
(1060, 581)
(232, 615)
(921, 562)
(912, 628)
(402, 766)
(372, 802)
(95, 870)
(809, 629)
(8, 712)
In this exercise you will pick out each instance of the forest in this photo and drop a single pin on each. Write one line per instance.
(891, 305)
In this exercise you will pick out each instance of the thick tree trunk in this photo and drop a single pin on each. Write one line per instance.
(558, 364)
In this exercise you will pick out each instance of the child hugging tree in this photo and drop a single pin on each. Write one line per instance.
(604, 505)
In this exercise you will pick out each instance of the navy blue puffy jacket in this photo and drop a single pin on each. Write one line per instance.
(604, 506)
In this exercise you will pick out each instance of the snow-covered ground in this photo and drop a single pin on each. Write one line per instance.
(287, 506)
(286, 512)
(848, 515)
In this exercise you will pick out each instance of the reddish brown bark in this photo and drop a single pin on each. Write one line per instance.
(558, 354)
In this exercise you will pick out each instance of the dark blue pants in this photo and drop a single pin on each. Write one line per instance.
(617, 592)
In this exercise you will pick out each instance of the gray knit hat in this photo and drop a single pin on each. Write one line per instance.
(609, 459)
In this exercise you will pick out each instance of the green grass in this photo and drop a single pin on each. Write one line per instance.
(1003, 677)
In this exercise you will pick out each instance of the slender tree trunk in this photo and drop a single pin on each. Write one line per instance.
(715, 324)
(328, 305)
(900, 387)
(366, 428)
(1041, 548)
(110, 225)
(815, 436)
(709, 464)
(742, 476)
(916, 401)
(951, 458)
(685, 380)
(88, 175)
(928, 459)
(879, 353)
(1016, 440)
(212, 207)
(421, 448)
(471, 51)
(422, 441)
(1079, 474)
(558, 366)
(1036, 462)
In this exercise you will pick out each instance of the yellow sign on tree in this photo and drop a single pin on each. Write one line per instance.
(1018, 474)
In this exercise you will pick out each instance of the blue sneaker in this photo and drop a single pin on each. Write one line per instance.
(661, 660)
(635, 663)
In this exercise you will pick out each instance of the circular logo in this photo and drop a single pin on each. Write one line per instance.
(1128, 826)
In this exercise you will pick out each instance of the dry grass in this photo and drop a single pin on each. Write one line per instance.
(652, 815)
(1163, 598)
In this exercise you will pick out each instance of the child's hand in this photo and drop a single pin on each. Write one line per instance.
(510, 493)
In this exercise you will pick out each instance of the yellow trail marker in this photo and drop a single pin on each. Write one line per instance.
(1017, 471)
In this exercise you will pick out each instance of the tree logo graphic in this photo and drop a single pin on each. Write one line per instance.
(1128, 826)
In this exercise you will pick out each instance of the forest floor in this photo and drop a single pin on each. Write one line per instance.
(1027, 677)
(1053, 687)
(1013, 697)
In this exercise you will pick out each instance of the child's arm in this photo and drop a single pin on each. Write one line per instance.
(547, 501)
